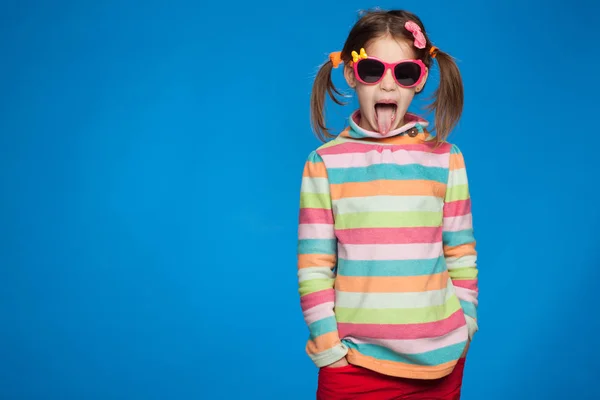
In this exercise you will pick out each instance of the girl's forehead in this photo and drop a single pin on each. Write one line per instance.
(390, 49)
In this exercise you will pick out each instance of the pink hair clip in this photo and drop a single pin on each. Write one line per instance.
(416, 31)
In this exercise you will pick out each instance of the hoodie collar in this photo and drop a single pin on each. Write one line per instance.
(354, 131)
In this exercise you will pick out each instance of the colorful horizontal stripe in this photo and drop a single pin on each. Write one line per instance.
(440, 355)
(413, 346)
(383, 187)
(402, 315)
(427, 330)
(382, 203)
(423, 234)
(397, 156)
(391, 268)
(387, 171)
(387, 267)
(409, 251)
(378, 284)
(386, 219)
(386, 301)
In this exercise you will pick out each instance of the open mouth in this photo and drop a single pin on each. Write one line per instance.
(385, 115)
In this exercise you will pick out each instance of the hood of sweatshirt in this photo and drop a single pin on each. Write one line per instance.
(413, 130)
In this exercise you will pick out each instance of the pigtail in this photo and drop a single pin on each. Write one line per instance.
(322, 86)
(448, 97)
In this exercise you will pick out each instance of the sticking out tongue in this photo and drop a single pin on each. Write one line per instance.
(385, 114)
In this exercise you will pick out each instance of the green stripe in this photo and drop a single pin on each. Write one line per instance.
(389, 220)
(458, 192)
(315, 200)
(314, 285)
(463, 273)
(397, 315)
(331, 143)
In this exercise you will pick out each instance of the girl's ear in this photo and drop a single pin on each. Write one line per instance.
(349, 75)
(423, 81)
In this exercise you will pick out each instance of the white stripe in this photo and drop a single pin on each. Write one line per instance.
(392, 300)
(468, 261)
(388, 203)
(416, 346)
(311, 273)
(460, 223)
(314, 185)
(457, 177)
(466, 294)
(316, 231)
(411, 251)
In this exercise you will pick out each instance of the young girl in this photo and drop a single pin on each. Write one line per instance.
(386, 254)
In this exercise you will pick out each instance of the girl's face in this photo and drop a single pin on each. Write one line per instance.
(375, 116)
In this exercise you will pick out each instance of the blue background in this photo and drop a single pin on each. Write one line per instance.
(150, 167)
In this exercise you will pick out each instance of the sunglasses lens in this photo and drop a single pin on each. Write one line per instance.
(370, 71)
(407, 73)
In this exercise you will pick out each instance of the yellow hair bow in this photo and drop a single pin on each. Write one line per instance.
(356, 56)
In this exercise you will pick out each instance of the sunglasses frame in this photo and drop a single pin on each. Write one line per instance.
(391, 66)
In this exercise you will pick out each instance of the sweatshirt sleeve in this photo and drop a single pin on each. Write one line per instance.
(458, 238)
(317, 248)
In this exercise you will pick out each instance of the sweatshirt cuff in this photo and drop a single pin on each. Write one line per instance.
(330, 356)
(472, 326)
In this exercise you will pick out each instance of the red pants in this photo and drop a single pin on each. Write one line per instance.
(357, 383)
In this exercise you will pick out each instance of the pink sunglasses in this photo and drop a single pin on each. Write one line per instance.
(407, 73)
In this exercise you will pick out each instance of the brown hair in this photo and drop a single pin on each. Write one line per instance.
(447, 98)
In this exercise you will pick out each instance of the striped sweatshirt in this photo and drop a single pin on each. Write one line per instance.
(386, 254)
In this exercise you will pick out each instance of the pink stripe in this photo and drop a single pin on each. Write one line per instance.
(309, 301)
(319, 312)
(454, 224)
(316, 231)
(466, 283)
(368, 146)
(411, 251)
(457, 208)
(466, 294)
(386, 156)
(389, 235)
(315, 216)
(416, 346)
(404, 332)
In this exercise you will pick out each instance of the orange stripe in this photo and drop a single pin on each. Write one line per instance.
(419, 139)
(382, 284)
(457, 161)
(316, 260)
(388, 188)
(400, 369)
(461, 250)
(322, 343)
(314, 170)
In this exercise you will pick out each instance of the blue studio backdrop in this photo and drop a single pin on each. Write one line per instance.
(150, 165)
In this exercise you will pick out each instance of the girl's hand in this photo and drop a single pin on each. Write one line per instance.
(339, 363)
